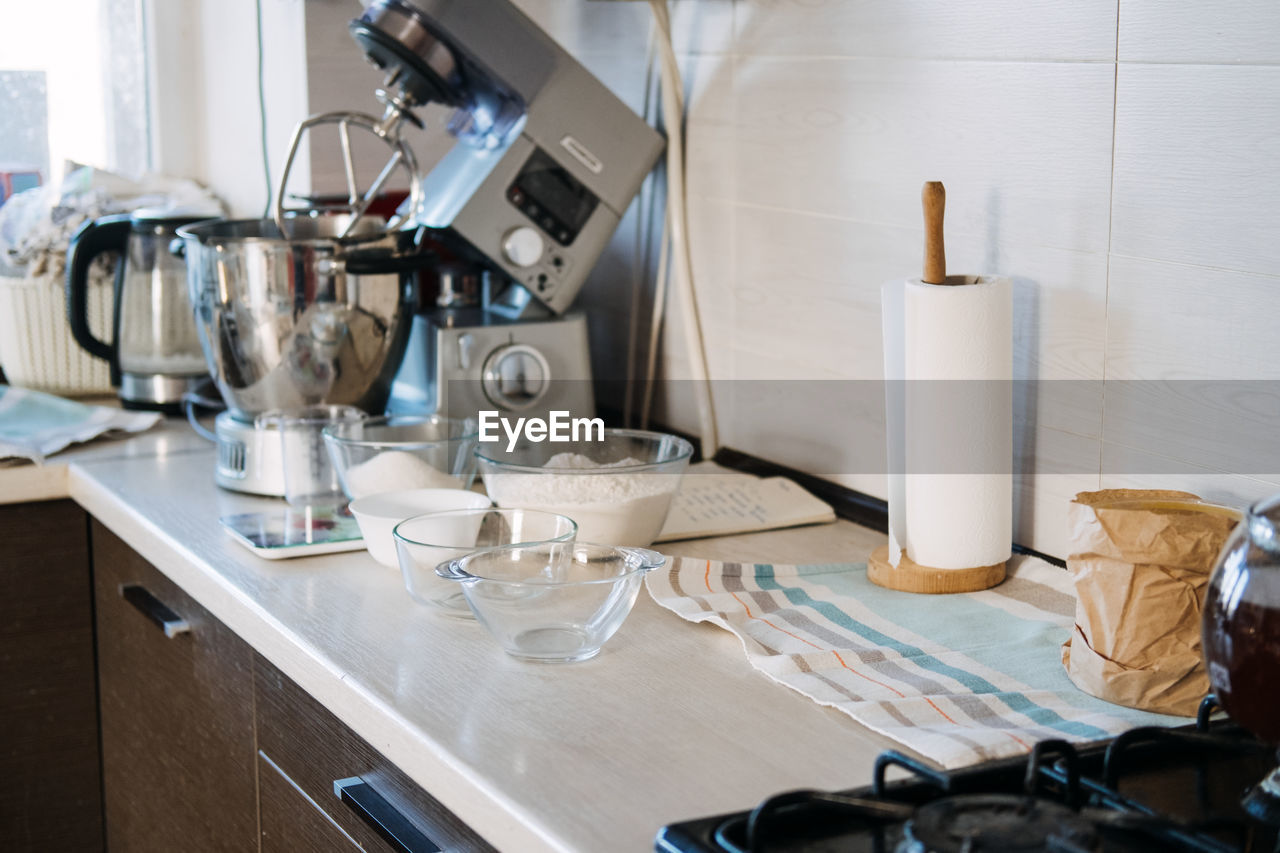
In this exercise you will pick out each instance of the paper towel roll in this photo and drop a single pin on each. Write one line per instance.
(950, 423)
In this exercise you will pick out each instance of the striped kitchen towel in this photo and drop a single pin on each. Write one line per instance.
(957, 678)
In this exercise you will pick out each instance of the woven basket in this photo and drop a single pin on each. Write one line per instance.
(36, 347)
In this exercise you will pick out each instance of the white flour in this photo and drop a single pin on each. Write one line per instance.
(394, 470)
(611, 509)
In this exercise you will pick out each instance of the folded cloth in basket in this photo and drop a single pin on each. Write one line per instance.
(34, 425)
(957, 678)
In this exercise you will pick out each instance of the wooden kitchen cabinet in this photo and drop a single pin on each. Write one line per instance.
(50, 797)
(178, 760)
(303, 750)
(204, 745)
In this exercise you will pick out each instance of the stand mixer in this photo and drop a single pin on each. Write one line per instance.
(544, 163)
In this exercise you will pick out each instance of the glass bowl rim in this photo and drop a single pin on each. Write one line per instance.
(398, 536)
(633, 555)
(683, 446)
(472, 431)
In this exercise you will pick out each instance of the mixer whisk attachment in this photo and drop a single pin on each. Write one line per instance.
(399, 109)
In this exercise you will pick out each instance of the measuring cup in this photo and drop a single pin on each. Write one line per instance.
(310, 480)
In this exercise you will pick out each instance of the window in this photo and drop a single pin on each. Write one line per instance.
(73, 86)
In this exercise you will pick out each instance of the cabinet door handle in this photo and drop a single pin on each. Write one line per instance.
(154, 609)
(382, 817)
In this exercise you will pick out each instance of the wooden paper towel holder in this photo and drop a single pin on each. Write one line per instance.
(908, 575)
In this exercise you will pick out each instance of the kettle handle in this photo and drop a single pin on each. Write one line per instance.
(94, 237)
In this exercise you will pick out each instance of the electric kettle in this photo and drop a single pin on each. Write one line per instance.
(155, 354)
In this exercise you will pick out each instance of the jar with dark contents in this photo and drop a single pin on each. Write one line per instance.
(1241, 627)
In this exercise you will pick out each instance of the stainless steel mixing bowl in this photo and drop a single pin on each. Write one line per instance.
(301, 319)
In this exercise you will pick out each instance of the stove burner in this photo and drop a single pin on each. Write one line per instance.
(997, 822)
(1147, 790)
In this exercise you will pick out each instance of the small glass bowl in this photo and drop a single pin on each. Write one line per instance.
(425, 541)
(552, 602)
(398, 452)
(618, 489)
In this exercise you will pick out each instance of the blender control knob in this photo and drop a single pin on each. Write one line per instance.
(522, 246)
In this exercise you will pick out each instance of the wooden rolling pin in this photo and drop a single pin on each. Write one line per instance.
(934, 199)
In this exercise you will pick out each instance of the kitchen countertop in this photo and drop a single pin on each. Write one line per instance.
(669, 722)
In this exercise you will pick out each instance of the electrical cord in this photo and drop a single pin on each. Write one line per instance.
(677, 226)
(640, 265)
(655, 323)
(262, 115)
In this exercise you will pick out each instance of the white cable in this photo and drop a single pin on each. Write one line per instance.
(673, 119)
(655, 322)
(661, 31)
(640, 258)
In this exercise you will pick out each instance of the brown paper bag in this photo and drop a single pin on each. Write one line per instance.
(1141, 561)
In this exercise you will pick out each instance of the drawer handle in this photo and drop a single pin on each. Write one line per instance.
(382, 817)
(154, 609)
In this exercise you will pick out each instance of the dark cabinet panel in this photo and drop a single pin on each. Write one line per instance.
(314, 749)
(290, 822)
(50, 793)
(177, 713)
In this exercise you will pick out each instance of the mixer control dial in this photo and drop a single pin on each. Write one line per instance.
(522, 246)
(515, 377)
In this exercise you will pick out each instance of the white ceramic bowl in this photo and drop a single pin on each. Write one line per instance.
(379, 514)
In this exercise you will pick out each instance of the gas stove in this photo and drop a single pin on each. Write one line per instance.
(1150, 789)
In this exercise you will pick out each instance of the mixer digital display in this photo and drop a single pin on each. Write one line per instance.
(556, 201)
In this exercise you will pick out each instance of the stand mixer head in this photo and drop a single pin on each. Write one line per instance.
(546, 158)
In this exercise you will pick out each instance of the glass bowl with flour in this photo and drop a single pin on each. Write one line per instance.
(399, 452)
(618, 489)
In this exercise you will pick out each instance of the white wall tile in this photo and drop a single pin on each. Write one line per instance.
(1174, 321)
(711, 135)
(923, 29)
(586, 27)
(790, 413)
(1131, 468)
(1195, 176)
(1224, 425)
(815, 281)
(1040, 505)
(583, 27)
(1222, 31)
(1023, 148)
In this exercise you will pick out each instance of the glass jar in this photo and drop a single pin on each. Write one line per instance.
(1241, 623)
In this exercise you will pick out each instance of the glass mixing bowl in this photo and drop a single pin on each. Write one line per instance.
(618, 489)
(425, 541)
(553, 602)
(398, 452)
